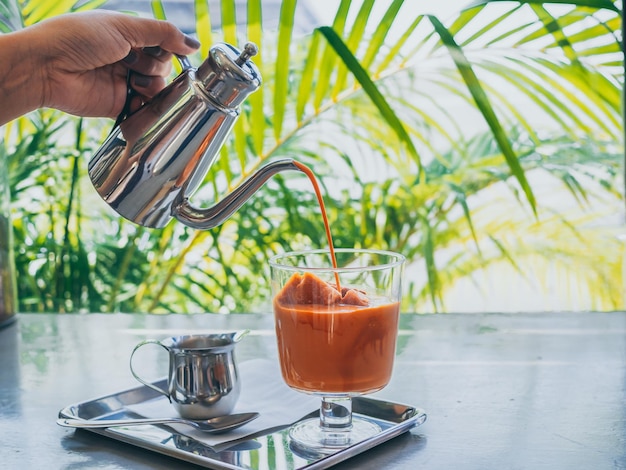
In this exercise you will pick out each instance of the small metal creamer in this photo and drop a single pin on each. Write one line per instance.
(156, 157)
(203, 378)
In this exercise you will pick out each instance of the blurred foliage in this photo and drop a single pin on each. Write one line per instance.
(492, 138)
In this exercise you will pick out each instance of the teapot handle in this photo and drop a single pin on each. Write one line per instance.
(184, 62)
(131, 93)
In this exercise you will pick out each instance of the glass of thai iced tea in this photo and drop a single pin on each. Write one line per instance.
(336, 329)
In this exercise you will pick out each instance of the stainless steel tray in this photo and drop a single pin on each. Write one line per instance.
(271, 450)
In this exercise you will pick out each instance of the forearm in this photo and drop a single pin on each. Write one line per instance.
(78, 63)
(20, 76)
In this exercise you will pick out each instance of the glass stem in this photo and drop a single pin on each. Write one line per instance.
(336, 413)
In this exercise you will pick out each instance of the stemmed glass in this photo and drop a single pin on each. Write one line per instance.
(336, 343)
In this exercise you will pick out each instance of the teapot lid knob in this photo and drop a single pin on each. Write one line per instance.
(249, 50)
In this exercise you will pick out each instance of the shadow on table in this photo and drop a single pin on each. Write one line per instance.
(398, 452)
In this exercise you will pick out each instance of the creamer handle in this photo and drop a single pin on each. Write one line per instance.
(132, 370)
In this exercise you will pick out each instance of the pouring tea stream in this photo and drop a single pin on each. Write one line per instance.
(156, 157)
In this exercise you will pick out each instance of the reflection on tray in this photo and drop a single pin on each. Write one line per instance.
(271, 450)
(232, 455)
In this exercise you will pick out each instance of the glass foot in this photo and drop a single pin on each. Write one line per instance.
(310, 439)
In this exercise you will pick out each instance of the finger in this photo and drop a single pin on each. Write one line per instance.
(154, 51)
(147, 85)
(135, 103)
(150, 32)
(153, 61)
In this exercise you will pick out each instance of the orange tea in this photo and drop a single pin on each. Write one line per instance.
(320, 200)
(334, 341)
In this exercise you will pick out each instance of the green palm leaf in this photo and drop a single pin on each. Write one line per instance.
(281, 80)
(372, 91)
(595, 4)
(482, 101)
(10, 16)
(374, 105)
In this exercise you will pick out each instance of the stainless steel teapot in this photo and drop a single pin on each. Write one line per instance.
(156, 157)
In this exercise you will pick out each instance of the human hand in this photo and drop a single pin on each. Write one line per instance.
(79, 61)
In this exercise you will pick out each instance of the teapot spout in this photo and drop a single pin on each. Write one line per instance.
(205, 219)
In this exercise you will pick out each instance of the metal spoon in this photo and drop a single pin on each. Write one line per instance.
(213, 425)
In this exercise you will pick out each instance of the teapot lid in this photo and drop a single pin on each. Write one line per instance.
(227, 74)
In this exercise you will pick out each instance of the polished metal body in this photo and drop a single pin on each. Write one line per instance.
(203, 379)
(156, 157)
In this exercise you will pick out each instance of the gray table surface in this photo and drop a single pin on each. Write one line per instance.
(502, 391)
